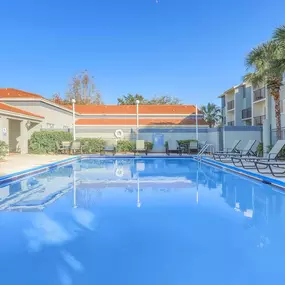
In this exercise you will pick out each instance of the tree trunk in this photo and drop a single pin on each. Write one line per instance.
(274, 84)
(278, 116)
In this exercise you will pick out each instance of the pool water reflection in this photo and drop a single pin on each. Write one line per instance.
(141, 221)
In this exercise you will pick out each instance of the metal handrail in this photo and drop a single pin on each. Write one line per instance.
(203, 149)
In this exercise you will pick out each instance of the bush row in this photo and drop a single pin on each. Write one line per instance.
(45, 142)
(181, 142)
(4, 149)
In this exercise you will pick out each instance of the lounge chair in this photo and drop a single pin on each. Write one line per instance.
(276, 168)
(76, 147)
(247, 151)
(233, 149)
(193, 147)
(66, 146)
(249, 162)
(173, 146)
(59, 148)
(110, 146)
(140, 147)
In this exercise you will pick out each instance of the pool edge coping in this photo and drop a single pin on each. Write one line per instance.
(240, 171)
(35, 170)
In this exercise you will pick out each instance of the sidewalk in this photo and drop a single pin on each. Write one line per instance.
(19, 162)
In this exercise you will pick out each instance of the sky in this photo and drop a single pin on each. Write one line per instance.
(193, 50)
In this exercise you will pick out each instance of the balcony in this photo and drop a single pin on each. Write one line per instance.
(246, 113)
(258, 94)
(231, 105)
(258, 121)
(232, 123)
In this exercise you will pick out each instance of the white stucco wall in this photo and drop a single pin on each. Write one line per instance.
(244, 134)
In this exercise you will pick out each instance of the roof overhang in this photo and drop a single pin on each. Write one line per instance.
(232, 89)
(38, 100)
(20, 116)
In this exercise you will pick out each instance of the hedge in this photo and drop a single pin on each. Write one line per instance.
(181, 142)
(44, 141)
(129, 146)
(94, 145)
(4, 149)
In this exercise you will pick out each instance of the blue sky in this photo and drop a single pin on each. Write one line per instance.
(190, 49)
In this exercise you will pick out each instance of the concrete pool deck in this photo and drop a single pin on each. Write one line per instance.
(20, 162)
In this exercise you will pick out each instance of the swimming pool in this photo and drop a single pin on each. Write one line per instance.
(141, 221)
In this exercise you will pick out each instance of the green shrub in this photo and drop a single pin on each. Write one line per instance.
(181, 142)
(129, 146)
(259, 149)
(125, 146)
(4, 149)
(92, 145)
(148, 145)
(44, 141)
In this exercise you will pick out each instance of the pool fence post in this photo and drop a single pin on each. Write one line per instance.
(197, 130)
(73, 118)
(137, 103)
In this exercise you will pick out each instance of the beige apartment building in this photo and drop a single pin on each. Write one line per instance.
(245, 105)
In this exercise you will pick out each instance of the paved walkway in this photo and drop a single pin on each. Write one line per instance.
(19, 162)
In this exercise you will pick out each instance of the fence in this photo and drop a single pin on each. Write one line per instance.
(273, 138)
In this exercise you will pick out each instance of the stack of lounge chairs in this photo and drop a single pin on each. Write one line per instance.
(225, 156)
(247, 159)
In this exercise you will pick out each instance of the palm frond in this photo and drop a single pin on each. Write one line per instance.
(279, 34)
(254, 78)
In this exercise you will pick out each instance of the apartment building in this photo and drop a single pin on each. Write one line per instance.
(245, 105)
(237, 106)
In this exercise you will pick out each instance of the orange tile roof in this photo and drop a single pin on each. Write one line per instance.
(131, 109)
(16, 93)
(9, 108)
(144, 122)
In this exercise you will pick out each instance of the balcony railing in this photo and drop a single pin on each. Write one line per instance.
(258, 121)
(259, 94)
(231, 105)
(246, 113)
(232, 123)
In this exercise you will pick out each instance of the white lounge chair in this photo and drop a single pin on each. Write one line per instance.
(250, 161)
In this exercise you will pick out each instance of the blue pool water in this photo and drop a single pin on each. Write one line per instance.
(142, 221)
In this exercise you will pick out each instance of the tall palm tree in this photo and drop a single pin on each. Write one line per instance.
(263, 60)
(212, 114)
(279, 37)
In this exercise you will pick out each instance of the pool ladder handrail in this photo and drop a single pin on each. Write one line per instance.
(203, 149)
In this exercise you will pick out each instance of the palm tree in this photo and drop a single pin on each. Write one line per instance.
(212, 114)
(279, 37)
(265, 62)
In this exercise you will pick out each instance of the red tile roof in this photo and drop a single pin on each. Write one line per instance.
(144, 122)
(131, 109)
(9, 108)
(16, 93)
